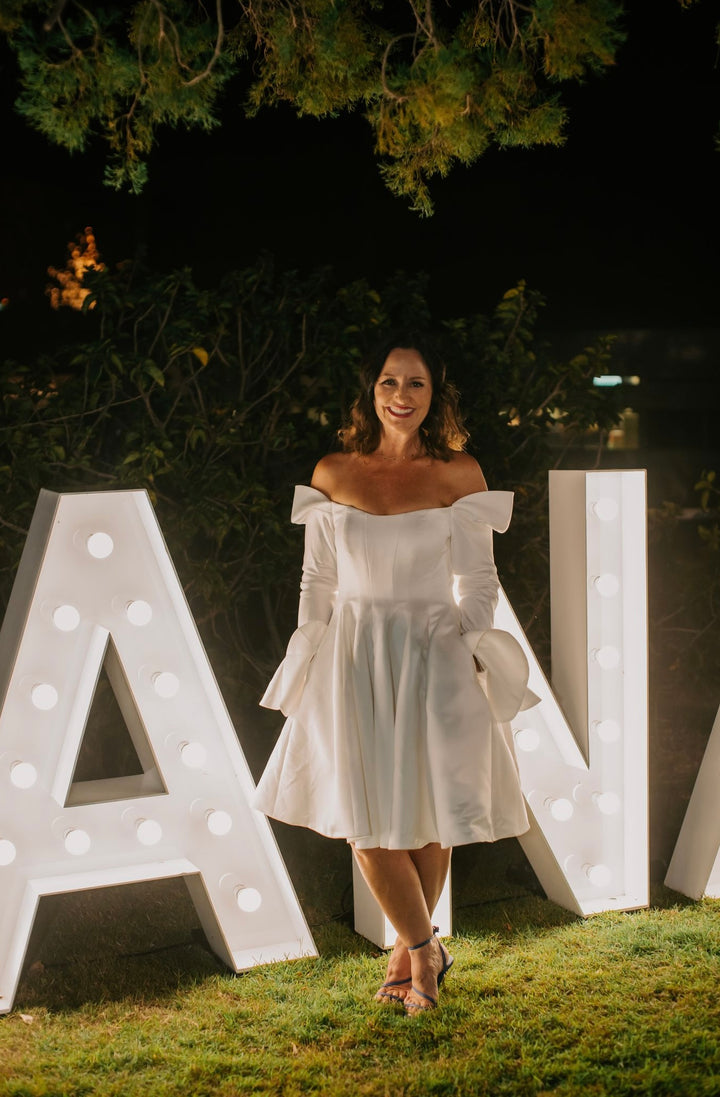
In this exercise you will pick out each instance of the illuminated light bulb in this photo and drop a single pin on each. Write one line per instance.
(560, 808)
(100, 545)
(607, 730)
(193, 755)
(248, 899)
(607, 802)
(165, 683)
(44, 696)
(607, 657)
(149, 831)
(598, 875)
(66, 618)
(77, 841)
(218, 822)
(527, 739)
(139, 612)
(606, 585)
(8, 853)
(23, 774)
(606, 509)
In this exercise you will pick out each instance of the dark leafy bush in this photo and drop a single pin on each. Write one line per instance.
(217, 401)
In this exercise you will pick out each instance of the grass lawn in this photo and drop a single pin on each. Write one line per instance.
(131, 1002)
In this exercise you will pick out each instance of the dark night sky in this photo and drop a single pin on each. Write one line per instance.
(618, 228)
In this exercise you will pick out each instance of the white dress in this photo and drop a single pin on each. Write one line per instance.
(392, 739)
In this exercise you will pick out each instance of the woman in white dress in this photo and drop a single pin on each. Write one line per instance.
(391, 741)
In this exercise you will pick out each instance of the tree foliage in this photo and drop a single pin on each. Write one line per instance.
(218, 401)
(438, 83)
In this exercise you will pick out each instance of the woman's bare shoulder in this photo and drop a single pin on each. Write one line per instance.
(330, 471)
(465, 475)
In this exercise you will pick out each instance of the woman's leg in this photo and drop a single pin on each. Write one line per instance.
(432, 863)
(407, 885)
(394, 880)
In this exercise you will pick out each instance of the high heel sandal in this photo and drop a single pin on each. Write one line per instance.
(380, 997)
(412, 1007)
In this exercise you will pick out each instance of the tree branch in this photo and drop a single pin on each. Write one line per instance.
(216, 52)
(383, 69)
(54, 16)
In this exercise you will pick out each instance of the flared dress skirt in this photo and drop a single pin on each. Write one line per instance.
(390, 740)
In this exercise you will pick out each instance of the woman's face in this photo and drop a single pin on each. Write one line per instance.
(403, 391)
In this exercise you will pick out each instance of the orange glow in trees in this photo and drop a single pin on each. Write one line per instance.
(83, 256)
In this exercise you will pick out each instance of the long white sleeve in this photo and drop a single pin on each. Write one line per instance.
(473, 565)
(318, 585)
(477, 581)
(505, 675)
(317, 597)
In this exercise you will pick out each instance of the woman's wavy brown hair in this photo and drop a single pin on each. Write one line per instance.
(442, 431)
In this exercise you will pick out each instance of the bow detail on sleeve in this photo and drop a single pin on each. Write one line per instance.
(306, 501)
(491, 508)
(288, 682)
(506, 670)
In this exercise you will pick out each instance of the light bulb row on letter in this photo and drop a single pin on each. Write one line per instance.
(528, 740)
(24, 775)
(607, 584)
(66, 617)
(44, 695)
(562, 809)
(148, 831)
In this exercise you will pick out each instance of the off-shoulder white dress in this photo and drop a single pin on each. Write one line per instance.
(392, 739)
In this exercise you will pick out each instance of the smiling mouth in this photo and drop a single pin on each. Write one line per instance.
(401, 413)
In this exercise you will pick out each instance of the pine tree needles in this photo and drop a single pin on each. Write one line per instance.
(439, 84)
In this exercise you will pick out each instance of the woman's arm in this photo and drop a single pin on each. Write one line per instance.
(476, 577)
(319, 573)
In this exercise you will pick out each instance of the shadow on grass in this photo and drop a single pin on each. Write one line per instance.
(138, 941)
